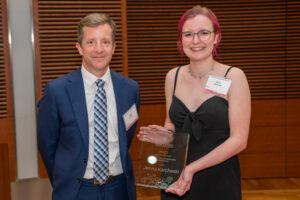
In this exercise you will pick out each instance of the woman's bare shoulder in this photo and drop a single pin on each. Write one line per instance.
(233, 73)
(171, 73)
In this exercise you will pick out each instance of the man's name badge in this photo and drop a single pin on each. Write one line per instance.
(218, 85)
(130, 117)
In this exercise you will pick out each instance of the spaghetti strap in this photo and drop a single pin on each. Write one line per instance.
(227, 71)
(175, 81)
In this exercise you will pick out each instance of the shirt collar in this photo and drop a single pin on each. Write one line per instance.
(90, 78)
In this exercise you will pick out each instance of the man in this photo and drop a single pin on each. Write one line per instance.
(85, 128)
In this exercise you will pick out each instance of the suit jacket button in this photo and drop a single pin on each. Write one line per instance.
(79, 180)
(85, 160)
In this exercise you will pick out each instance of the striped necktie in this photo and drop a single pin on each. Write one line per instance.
(101, 162)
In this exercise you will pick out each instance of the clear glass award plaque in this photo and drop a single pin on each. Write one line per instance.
(160, 165)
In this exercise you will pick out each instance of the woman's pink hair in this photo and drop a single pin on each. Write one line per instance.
(198, 10)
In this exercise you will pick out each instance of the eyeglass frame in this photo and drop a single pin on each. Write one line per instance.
(199, 37)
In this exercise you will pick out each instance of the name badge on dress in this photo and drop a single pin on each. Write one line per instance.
(218, 85)
(130, 117)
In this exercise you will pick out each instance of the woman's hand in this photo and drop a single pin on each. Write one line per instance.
(183, 184)
(155, 134)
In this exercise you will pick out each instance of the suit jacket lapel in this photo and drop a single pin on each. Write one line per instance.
(120, 95)
(77, 96)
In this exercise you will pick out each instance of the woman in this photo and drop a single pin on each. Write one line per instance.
(211, 101)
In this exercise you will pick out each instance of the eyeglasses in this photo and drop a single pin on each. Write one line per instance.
(203, 35)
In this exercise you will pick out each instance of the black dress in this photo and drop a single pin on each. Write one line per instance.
(209, 127)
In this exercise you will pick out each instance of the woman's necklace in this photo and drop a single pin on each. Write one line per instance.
(200, 77)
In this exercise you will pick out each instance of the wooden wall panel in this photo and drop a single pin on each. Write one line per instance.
(4, 173)
(293, 139)
(293, 111)
(275, 129)
(266, 139)
(292, 48)
(7, 137)
(293, 88)
(263, 165)
(266, 144)
(6, 106)
(293, 164)
(253, 39)
(268, 113)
